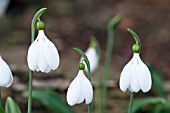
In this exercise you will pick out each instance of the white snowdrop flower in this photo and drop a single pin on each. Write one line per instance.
(135, 76)
(6, 77)
(93, 58)
(42, 54)
(79, 90)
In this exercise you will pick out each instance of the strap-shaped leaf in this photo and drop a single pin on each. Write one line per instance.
(1, 110)
(50, 99)
(157, 81)
(138, 104)
(11, 106)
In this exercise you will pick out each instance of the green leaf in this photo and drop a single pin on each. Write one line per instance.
(50, 99)
(1, 110)
(85, 59)
(157, 81)
(34, 20)
(157, 109)
(11, 106)
(138, 104)
(160, 108)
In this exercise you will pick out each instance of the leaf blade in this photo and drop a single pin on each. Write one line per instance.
(11, 106)
(50, 99)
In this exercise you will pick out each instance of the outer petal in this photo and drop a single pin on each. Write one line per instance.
(144, 77)
(5, 74)
(32, 57)
(88, 90)
(74, 93)
(51, 54)
(125, 77)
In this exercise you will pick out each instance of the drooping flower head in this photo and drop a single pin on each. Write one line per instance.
(42, 54)
(80, 89)
(92, 56)
(6, 77)
(135, 75)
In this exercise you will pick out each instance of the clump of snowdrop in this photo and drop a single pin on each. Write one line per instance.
(80, 89)
(42, 54)
(135, 75)
(6, 77)
(92, 56)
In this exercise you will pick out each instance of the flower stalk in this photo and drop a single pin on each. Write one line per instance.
(35, 19)
(136, 47)
(0, 98)
(131, 102)
(110, 42)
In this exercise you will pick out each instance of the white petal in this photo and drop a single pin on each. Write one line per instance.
(88, 90)
(51, 54)
(32, 57)
(5, 74)
(144, 77)
(125, 77)
(74, 93)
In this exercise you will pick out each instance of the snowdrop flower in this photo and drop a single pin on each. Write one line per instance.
(3, 6)
(93, 57)
(42, 54)
(135, 75)
(5, 74)
(80, 89)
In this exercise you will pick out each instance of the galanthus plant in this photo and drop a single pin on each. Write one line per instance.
(135, 75)
(42, 54)
(80, 89)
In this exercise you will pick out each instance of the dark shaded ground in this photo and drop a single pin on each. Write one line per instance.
(70, 23)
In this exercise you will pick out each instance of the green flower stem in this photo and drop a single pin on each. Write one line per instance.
(30, 92)
(0, 98)
(136, 37)
(89, 108)
(131, 102)
(89, 77)
(34, 20)
(110, 41)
